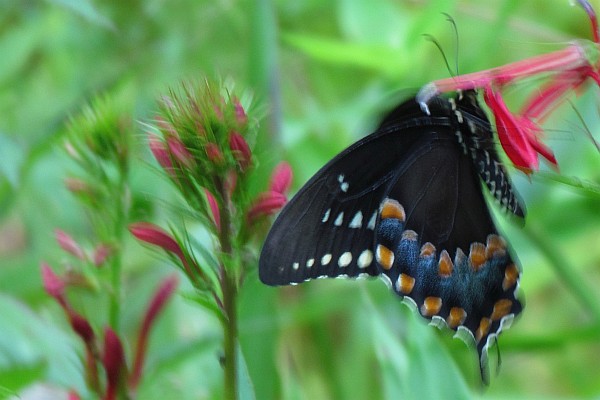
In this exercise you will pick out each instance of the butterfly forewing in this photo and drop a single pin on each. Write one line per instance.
(327, 229)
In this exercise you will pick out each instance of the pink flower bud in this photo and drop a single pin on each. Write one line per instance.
(73, 395)
(68, 244)
(240, 113)
(81, 326)
(162, 295)
(165, 126)
(213, 153)
(179, 151)
(76, 185)
(281, 178)
(241, 150)
(160, 152)
(101, 253)
(113, 360)
(266, 204)
(214, 208)
(53, 284)
(152, 234)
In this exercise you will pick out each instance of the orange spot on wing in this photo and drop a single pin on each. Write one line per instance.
(456, 317)
(385, 257)
(477, 255)
(445, 264)
(405, 283)
(392, 209)
(484, 328)
(501, 308)
(495, 246)
(427, 250)
(510, 277)
(431, 306)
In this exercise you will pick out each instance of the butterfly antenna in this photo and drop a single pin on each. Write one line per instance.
(456, 41)
(586, 129)
(439, 46)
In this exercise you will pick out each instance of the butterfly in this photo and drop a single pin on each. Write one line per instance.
(406, 204)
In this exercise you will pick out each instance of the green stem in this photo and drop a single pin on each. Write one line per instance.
(116, 260)
(229, 290)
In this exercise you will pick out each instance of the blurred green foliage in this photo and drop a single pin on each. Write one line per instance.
(323, 71)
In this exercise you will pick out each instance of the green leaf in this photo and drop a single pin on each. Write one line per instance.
(245, 387)
(340, 53)
(86, 9)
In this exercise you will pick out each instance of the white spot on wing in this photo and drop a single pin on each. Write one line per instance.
(345, 259)
(371, 224)
(326, 216)
(295, 266)
(365, 259)
(310, 262)
(344, 186)
(356, 220)
(339, 220)
(326, 259)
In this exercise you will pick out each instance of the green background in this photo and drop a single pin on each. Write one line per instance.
(322, 71)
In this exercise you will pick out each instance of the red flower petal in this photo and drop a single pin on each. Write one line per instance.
(150, 233)
(162, 295)
(513, 139)
(160, 152)
(113, 360)
(53, 284)
(281, 178)
(68, 244)
(214, 208)
(266, 204)
(241, 150)
(179, 151)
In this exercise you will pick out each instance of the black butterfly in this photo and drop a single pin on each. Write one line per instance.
(406, 204)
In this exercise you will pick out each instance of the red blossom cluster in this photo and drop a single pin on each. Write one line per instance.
(109, 354)
(519, 132)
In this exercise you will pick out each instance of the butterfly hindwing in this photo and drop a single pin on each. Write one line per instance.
(437, 245)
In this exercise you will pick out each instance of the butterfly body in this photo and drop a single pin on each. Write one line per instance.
(406, 204)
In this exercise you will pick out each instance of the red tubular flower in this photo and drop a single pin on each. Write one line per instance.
(113, 360)
(162, 295)
(53, 284)
(152, 234)
(73, 395)
(214, 208)
(81, 326)
(68, 244)
(281, 178)
(165, 126)
(512, 132)
(267, 203)
(240, 113)
(241, 150)
(213, 153)
(520, 134)
(101, 254)
(271, 201)
(181, 154)
(160, 152)
(76, 185)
